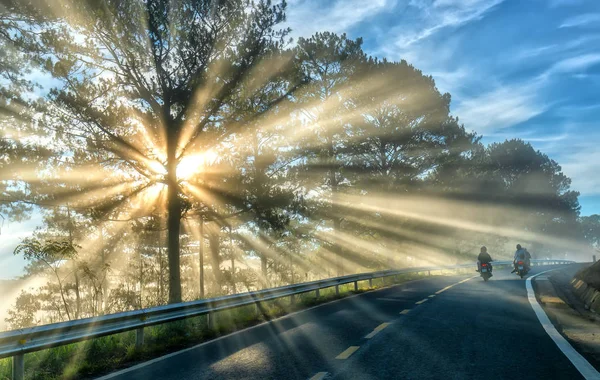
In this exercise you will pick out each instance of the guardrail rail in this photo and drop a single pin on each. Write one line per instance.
(16, 343)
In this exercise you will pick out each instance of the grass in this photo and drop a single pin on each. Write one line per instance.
(99, 356)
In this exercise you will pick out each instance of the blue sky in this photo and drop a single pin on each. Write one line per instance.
(515, 68)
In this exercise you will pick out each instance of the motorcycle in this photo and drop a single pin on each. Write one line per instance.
(486, 271)
(521, 268)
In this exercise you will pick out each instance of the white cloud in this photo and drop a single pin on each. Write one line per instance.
(534, 52)
(578, 155)
(307, 17)
(581, 20)
(583, 169)
(577, 63)
(571, 111)
(553, 50)
(561, 3)
(509, 105)
(442, 14)
(451, 81)
(500, 108)
(530, 136)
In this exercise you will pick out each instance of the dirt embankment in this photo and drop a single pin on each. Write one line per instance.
(586, 284)
(590, 275)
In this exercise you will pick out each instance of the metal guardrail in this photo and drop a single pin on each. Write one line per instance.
(16, 343)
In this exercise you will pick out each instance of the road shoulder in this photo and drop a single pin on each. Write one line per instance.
(568, 313)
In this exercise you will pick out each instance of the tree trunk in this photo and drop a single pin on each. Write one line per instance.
(77, 296)
(160, 271)
(141, 280)
(215, 258)
(103, 287)
(292, 267)
(337, 248)
(333, 181)
(232, 262)
(263, 267)
(264, 261)
(201, 257)
(173, 222)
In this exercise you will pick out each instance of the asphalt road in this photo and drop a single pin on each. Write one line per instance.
(472, 330)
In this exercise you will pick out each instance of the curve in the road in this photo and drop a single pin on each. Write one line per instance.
(582, 365)
(467, 330)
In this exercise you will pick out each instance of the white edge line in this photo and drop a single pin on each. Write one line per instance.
(582, 365)
(167, 356)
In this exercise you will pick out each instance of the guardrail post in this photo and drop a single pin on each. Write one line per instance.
(337, 290)
(317, 293)
(293, 299)
(429, 273)
(594, 258)
(356, 286)
(210, 320)
(18, 367)
(370, 283)
(139, 337)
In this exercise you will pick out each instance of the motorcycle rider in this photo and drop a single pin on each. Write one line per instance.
(484, 257)
(521, 254)
(527, 259)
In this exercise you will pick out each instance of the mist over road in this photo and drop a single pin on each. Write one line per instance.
(440, 327)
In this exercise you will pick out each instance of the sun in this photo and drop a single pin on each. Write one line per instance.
(194, 164)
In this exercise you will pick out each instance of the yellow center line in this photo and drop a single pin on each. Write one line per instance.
(405, 311)
(319, 376)
(431, 296)
(377, 329)
(422, 301)
(346, 354)
(450, 286)
(443, 290)
(382, 326)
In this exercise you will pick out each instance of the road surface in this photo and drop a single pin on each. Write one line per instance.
(434, 328)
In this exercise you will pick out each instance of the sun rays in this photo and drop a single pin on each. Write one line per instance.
(180, 146)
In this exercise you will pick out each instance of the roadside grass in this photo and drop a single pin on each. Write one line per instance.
(99, 356)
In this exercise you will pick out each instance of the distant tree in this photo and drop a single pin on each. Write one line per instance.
(53, 254)
(590, 226)
(329, 61)
(528, 189)
(24, 312)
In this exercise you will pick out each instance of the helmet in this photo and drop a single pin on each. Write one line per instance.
(483, 249)
(518, 246)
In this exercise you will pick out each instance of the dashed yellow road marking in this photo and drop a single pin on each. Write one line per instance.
(377, 329)
(450, 286)
(443, 290)
(431, 296)
(319, 376)
(422, 301)
(347, 353)
(405, 311)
